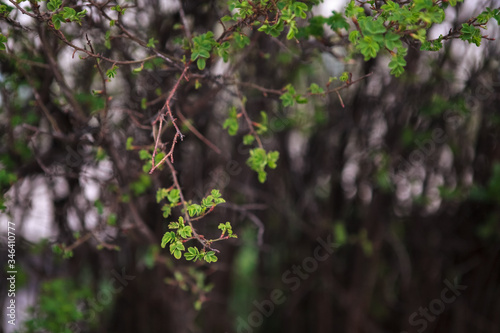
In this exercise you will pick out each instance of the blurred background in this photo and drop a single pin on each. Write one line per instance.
(382, 216)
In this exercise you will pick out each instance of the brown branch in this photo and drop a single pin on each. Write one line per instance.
(166, 110)
(184, 20)
(248, 120)
(104, 113)
(197, 133)
(68, 94)
(265, 91)
(79, 242)
(244, 210)
(22, 10)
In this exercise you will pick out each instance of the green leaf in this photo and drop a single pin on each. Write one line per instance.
(340, 233)
(392, 41)
(372, 26)
(210, 257)
(173, 196)
(56, 20)
(344, 77)
(258, 158)
(185, 232)
(111, 73)
(173, 225)
(397, 65)
(241, 40)
(353, 10)
(300, 9)
(68, 13)
(354, 37)
(3, 40)
(272, 159)
(368, 47)
(192, 254)
(201, 63)
(177, 246)
(219, 201)
(292, 31)
(315, 89)
(262, 176)
(152, 42)
(315, 27)
(262, 126)
(168, 237)
(177, 254)
(54, 5)
(337, 21)
(232, 126)
(100, 207)
(194, 210)
(231, 123)
(112, 218)
(287, 99)
(161, 194)
(471, 34)
(248, 139)
(208, 201)
(119, 9)
(130, 141)
(144, 154)
(215, 193)
(390, 6)
(167, 210)
(423, 4)
(107, 39)
(222, 227)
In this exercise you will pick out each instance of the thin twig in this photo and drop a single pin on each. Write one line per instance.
(248, 120)
(184, 20)
(166, 110)
(104, 113)
(197, 133)
(245, 212)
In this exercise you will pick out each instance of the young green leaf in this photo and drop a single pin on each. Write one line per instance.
(210, 257)
(168, 237)
(315, 89)
(173, 196)
(185, 232)
(192, 254)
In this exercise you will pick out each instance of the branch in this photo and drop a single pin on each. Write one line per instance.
(166, 110)
(187, 218)
(197, 133)
(248, 120)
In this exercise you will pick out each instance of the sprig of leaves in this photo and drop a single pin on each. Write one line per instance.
(260, 159)
(181, 232)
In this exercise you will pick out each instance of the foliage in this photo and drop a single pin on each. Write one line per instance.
(182, 233)
(192, 107)
(391, 27)
(60, 304)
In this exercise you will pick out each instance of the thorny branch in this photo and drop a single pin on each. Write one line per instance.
(167, 111)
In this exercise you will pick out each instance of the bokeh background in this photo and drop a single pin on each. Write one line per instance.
(382, 216)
